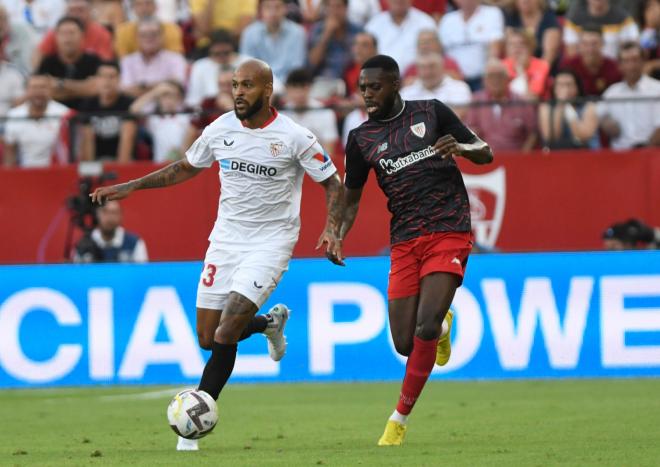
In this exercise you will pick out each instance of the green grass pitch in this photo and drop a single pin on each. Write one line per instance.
(507, 423)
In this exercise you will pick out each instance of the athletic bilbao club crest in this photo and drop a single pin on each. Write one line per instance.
(418, 129)
(487, 194)
(277, 148)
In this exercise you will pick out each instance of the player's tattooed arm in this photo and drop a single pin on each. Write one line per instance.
(334, 198)
(478, 151)
(172, 174)
(351, 203)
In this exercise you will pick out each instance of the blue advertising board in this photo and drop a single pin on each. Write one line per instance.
(517, 316)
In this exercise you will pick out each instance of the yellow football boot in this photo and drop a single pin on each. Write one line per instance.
(394, 434)
(443, 351)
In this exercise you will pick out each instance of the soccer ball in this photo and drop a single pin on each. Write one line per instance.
(192, 414)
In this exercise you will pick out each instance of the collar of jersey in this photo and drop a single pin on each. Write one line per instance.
(397, 115)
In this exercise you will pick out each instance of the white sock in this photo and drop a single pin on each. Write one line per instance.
(445, 329)
(399, 417)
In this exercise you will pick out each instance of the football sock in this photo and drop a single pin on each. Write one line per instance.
(218, 368)
(257, 325)
(399, 417)
(419, 366)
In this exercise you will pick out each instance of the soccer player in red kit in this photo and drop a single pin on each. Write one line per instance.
(411, 145)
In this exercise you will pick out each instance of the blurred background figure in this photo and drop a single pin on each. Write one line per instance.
(17, 41)
(650, 37)
(632, 234)
(330, 40)
(275, 39)
(396, 31)
(108, 132)
(110, 13)
(33, 127)
(428, 42)
(433, 83)
(617, 24)
(470, 35)
(503, 119)
(536, 18)
(141, 71)
(232, 15)
(528, 74)
(109, 242)
(222, 55)
(38, 15)
(162, 108)
(363, 48)
(73, 70)
(567, 121)
(635, 120)
(12, 90)
(309, 112)
(126, 35)
(96, 39)
(596, 71)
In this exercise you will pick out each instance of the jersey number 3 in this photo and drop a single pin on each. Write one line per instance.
(210, 275)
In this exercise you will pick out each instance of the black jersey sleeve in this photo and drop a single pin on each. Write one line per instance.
(449, 123)
(357, 169)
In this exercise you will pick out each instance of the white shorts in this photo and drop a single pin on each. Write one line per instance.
(253, 274)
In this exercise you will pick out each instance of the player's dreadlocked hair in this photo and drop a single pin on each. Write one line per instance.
(384, 62)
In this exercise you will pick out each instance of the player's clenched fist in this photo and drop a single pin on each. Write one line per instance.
(333, 249)
(446, 146)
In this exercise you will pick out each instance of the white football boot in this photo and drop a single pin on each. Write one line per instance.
(187, 444)
(274, 332)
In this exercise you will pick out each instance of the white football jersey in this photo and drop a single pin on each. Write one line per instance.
(261, 175)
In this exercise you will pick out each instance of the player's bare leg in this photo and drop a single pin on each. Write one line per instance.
(436, 294)
(403, 321)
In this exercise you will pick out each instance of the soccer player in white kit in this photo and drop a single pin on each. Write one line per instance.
(262, 156)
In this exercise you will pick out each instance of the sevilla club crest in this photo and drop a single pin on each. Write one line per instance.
(277, 148)
(419, 129)
(487, 194)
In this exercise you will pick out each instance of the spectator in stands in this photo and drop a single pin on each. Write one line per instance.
(276, 40)
(126, 36)
(471, 35)
(110, 242)
(38, 15)
(503, 119)
(309, 112)
(632, 234)
(650, 37)
(361, 11)
(617, 26)
(542, 22)
(12, 88)
(567, 121)
(428, 42)
(96, 40)
(17, 42)
(165, 122)
(204, 73)
(630, 110)
(233, 15)
(211, 107)
(528, 74)
(151, 64)
(33, 127)
(595, 70)
(330, 40)
(73, 70)
(109, 132)
(433, 83)
(363, 48)
(396, 30)
(632, 7)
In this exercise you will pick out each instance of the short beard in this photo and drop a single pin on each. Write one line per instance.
(250, 111)
(385, 109)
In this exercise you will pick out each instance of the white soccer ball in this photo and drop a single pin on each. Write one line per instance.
(192, 414)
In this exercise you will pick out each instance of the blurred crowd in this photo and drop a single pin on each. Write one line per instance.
(126, 80)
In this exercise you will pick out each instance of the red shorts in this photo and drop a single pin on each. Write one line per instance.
(437, 252)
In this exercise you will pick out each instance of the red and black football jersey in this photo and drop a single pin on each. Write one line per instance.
(425, 193)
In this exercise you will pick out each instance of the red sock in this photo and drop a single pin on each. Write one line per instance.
(419, 366)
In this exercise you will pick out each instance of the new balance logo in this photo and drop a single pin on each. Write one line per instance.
(382, 147)
(230, 143)
(456, 260)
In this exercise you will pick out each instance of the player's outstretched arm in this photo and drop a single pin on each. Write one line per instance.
(334, 198)
(172, 174)
(351, 203)
(478, 151)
